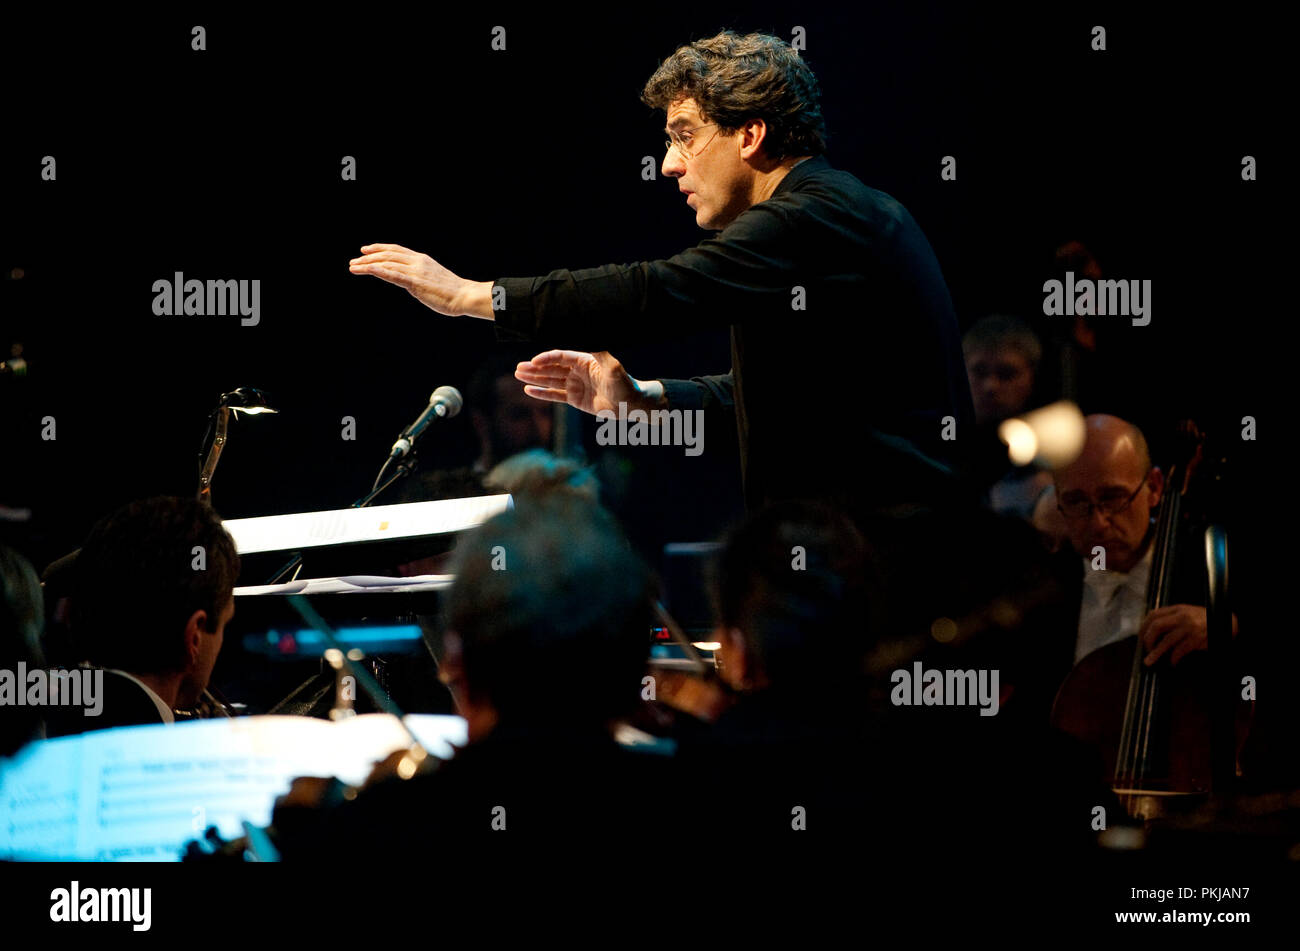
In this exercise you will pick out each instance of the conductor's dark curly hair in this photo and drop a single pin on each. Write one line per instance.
(734, 79)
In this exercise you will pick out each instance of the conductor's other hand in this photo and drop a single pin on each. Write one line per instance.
(428, 281)
(591, 382)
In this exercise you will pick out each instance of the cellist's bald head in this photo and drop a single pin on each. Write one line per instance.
(1114, 468)
(1110, 440)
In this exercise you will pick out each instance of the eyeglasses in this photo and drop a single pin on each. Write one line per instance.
(1110, 504)
(682, 141)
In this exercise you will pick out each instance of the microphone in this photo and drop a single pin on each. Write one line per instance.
(445, 402)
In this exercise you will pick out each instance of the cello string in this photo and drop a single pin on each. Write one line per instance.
(1134, 759)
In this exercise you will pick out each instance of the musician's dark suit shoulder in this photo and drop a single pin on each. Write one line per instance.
(125, 703)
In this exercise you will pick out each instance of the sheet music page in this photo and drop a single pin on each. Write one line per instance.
(141, 793)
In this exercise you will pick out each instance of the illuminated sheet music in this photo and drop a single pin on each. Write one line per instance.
(140, 793)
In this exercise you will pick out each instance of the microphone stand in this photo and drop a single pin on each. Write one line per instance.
(404, 469)
(406, 465)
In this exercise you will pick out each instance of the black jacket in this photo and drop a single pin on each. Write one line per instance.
(846, 355)
(125, 703)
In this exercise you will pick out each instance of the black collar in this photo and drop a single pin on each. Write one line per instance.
(800, 172)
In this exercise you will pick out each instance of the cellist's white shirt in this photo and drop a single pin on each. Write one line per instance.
(1113, 605)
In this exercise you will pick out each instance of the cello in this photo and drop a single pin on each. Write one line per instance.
(1152, 725)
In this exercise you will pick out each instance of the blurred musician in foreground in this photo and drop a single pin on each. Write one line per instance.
(818, 739)
(791, 601)
(548, 625)
(152, 593)
(21, 616)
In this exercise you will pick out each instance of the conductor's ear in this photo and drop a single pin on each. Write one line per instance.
(752, 136)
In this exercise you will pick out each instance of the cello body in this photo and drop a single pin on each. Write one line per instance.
(1091, 705)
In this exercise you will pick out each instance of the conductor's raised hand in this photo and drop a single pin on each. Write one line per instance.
(591, 382)
(428, 281)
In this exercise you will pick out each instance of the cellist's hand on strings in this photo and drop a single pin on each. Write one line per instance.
(1177, 630)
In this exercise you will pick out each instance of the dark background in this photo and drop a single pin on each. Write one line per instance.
(224, 164)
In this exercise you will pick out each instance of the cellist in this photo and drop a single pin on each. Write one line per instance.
(1138, 597)
(1107, 497)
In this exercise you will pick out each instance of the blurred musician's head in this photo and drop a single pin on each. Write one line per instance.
(791, 594)
(21, 615)
(506, 419)
(153, 593)
(1002, 356)
(549, 618)
(1108, 493)
(738, 109)
(538, 472)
